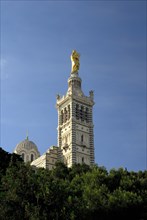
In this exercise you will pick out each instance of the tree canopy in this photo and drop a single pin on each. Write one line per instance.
(77, 193)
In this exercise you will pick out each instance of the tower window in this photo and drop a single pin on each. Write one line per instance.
(61, 117)
(68, 112)
(77, 111)
(82, 113)
(82, 138)
(65, 115)
(86, 115)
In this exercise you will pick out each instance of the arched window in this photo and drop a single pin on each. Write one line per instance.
(77, 111)
(82, 138)
(61, 117)
(32, 157)
(82, 159)
(22, 155)
(68, 112)
(65, 112)
(86, 115)
(82, 113)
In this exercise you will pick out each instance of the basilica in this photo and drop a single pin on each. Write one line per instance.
(75, 127)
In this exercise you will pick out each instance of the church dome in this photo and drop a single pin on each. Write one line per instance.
(27, 149)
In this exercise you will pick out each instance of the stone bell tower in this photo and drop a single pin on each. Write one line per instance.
(75, 121)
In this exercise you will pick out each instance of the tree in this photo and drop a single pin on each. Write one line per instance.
(5, 159)
(80, 192)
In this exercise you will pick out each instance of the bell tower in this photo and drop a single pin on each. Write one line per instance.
(75, 120)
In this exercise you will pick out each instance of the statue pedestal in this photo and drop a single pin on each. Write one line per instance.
(74, 74)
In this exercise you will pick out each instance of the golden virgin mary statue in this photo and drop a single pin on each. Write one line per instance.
(75, 61)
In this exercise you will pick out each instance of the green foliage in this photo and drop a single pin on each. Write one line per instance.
(77, 193)
(5, 159)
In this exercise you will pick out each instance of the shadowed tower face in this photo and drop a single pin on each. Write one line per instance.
(75, 120)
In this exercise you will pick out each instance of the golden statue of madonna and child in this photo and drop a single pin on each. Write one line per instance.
(75, 61)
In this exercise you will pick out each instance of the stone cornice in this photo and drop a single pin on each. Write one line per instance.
(82, 99)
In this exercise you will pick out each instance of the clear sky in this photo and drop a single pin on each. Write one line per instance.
(37, 38)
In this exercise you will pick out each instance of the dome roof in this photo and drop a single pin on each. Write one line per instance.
(27, 146)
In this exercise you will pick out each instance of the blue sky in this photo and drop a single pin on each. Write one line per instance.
(37, 38)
